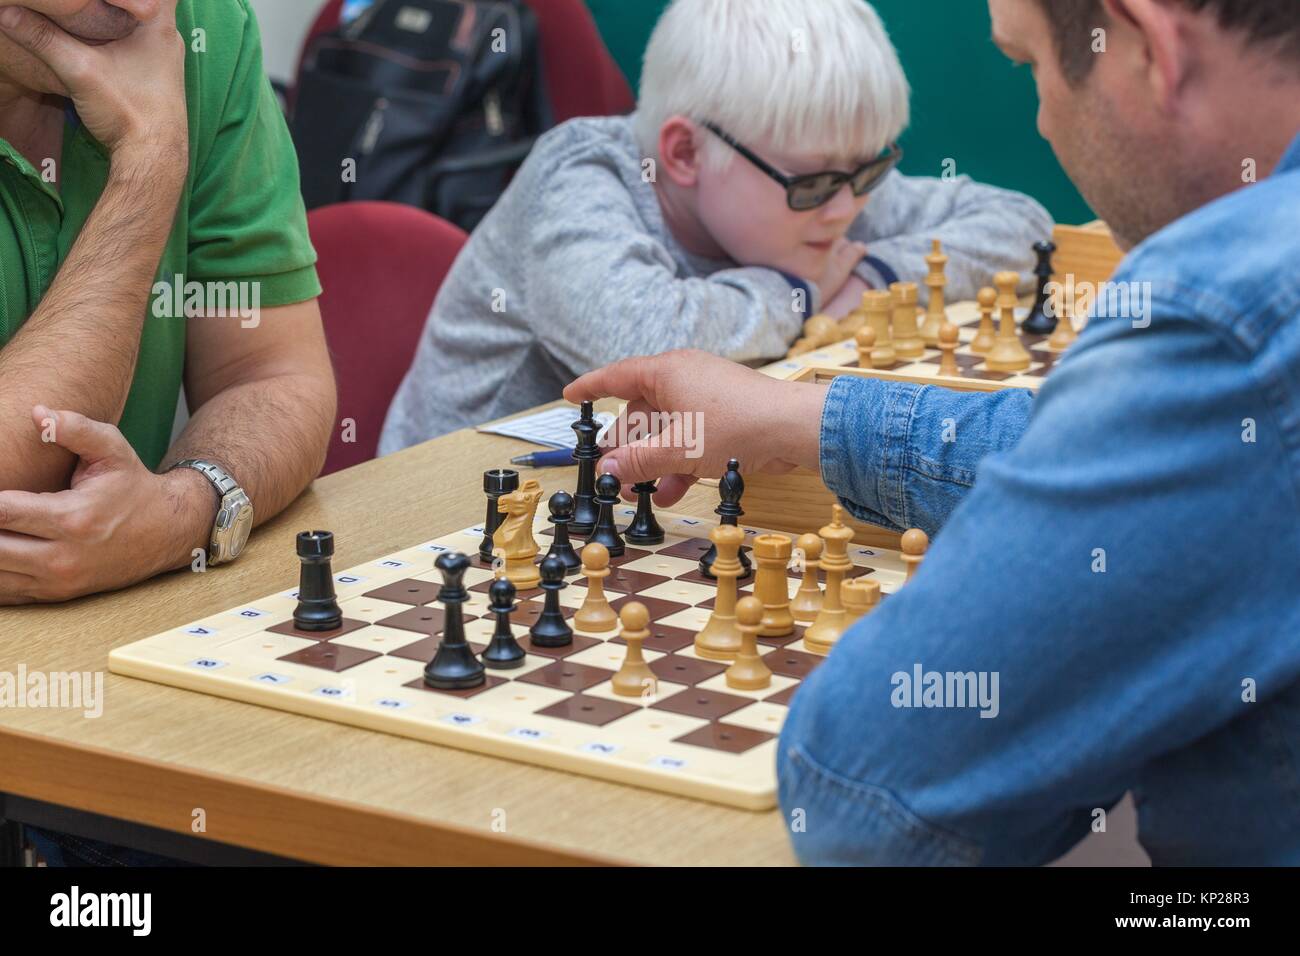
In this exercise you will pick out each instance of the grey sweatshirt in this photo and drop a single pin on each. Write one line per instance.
(575, 268)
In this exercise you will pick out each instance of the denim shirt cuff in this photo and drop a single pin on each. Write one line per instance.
(865, 430)
(852, 822)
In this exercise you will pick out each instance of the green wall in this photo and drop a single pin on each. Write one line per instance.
(969, 104)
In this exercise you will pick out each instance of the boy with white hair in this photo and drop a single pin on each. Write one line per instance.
(719, 216)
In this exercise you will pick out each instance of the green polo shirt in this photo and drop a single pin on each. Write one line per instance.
(240, 218)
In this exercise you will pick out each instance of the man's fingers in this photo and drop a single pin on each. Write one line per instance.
(16, 589)
(86, 438)
(630, 426)
(165, 20)
(626, 379)
(43, 39)
(672, 488)
(593, 386)
(650, 458)
(23, 512)
(20, 554)
(638, 421)
(167, 11)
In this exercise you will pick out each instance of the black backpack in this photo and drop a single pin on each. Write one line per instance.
(431, 103)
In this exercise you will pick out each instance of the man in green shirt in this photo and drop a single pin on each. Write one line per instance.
(152, 237)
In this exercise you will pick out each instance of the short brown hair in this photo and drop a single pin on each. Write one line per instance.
(1273, 23)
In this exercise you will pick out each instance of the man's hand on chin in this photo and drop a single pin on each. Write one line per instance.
(130, 93)
(118, 523)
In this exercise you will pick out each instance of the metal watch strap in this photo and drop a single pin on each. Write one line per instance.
(228, 490)
(218, 476)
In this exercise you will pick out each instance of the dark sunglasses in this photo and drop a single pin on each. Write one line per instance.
(803, 193)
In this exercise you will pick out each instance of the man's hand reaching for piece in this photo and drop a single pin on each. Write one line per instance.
(688, 412)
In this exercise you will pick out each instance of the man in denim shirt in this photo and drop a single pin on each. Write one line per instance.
(1122, 553)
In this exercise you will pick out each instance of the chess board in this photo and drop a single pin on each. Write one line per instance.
(964, 315)
(695, 736)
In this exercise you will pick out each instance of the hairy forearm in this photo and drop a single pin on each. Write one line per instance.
(78, 349)
(270, 434)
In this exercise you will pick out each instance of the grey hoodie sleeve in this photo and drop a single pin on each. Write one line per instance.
(983, 229)
(603, 288)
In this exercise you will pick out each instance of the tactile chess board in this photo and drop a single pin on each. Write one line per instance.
(964, 315)
(695, 737)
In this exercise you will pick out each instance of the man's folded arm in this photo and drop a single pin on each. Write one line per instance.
(261, 392)
(263, 403)
(1036, 595)
(78, 348)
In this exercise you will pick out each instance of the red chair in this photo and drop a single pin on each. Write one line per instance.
(381, 265)
(582, 78)
(581, 75)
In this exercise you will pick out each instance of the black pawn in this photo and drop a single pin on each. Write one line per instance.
(454, 666)
(318, 609)
(503, 652)
(608, 489)
(730, 490)
(644, 529)
(586, 454)
(551, 629)
(496, 482)
(561, 505)
(1038, 322)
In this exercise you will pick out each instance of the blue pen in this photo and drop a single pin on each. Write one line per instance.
(560, 458)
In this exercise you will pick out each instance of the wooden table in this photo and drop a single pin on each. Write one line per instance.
(319, 791)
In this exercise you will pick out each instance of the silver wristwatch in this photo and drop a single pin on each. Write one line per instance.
(234, 518)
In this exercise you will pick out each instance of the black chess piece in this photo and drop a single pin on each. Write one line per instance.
(454, 666)
(561, 505)
(503, 651)
(730, 490)
(496, 482)
(1038, 322)
(586, 454)
(608, 490)
(318, 608)
(551, 629)
(644, 529)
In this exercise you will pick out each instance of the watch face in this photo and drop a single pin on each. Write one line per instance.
(240, 529)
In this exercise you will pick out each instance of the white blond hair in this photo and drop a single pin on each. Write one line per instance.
(782, 74)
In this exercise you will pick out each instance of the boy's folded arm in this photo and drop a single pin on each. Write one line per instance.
(600, 301)
(605, 289)
(904, 456)
(984, 230)
(1043, 579)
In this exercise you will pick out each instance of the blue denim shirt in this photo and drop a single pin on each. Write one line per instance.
(1122, 552)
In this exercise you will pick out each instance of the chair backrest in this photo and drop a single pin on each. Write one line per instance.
(380, 266)
(326, 20)
(582, 78)
(581, 75)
